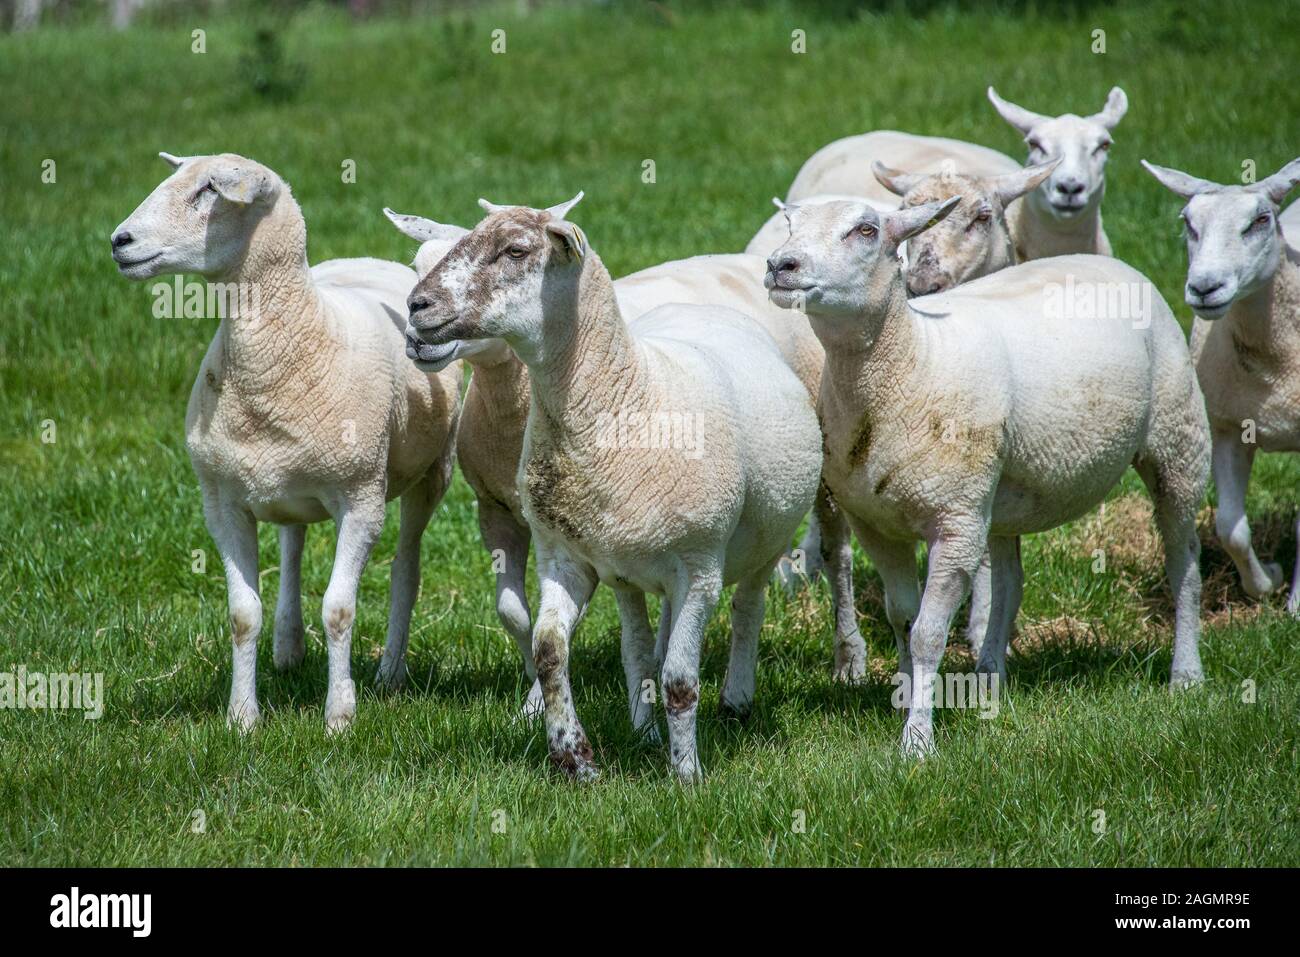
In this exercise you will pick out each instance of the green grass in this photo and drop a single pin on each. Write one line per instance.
(97, 528)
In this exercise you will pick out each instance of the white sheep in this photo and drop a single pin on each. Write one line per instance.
(1063, 216)
(1005, 406)
(844, 166)
(491, 435)
(1243, 283)
(305, 408)
(674, 454)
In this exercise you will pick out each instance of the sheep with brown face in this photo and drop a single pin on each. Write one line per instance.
(675, 454)
(971, 241)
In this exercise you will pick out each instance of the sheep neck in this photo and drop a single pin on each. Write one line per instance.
(589, 361)
(1032, 229)
(869, 362)
(1267, 320)
(281, 332)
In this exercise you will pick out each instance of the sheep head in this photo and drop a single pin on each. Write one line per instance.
(1234, 241)
(973, 240)
(501, 280)
(841, 259)
(1081, 143)
(200, 219)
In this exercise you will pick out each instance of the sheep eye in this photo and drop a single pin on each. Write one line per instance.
(867, 230)
(516, 252)
(1261, 221)
(1191, 233)
(1036, 146)
(1102, 147)
(981, 217)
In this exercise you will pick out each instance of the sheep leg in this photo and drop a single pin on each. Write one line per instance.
(1176, 491)
(953, 563)
(896, 563)
(746, 624)
(1006, 586)
(290, 646)
(508, 541)
(235, 532)
(417, 507)
(1293, 603)
(566, 586)
(837, 554)
(638, 660)
(1232, 463)
(801, 567)
(359, 526)
(981, 605)
(694, 599)
(665, 629)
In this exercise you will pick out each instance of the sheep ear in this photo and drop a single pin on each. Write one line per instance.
(490, 208)
(239, 184)
(902, 225)
(778, 204)
(1114, 110)
(895, 181)
(561, 210)
(1022, 119)
(1011, 186)
(1280, 183)
(574, 240)
(423, 230)
(174, 161)
(1179, 182)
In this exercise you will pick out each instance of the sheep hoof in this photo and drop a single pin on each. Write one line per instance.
(1293, 603)
(1273, 572)
(850, 668)
(734, 711)
(340, 709)
(243, 719)
(533, 705)
(578, 766)
(290, 649)
(391, 676)
(688, 770)
(917, 742)
(1182, 680)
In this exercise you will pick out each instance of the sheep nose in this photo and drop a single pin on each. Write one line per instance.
(118, 240)
(783, 264)
(1203, 287)
(1070, 187)
(417, 303)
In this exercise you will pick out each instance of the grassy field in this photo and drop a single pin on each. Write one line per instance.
(97, 527)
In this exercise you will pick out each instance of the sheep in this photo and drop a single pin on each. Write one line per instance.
(972, 241)
(491, 437)
(1243, 283)
(305, 408)
(974, 416)
(1063, 216)
(604, 499)
(844, 166)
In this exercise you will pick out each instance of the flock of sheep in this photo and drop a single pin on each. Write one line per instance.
(895, 367)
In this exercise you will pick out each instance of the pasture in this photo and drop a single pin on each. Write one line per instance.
(1091, 761)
